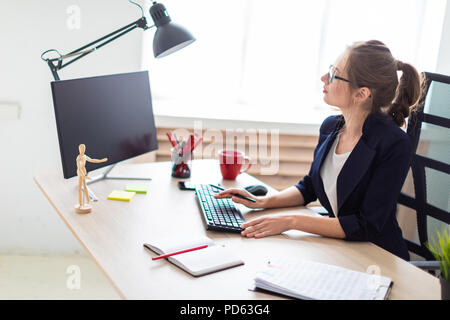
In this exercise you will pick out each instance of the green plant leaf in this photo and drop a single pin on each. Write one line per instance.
(440, 249)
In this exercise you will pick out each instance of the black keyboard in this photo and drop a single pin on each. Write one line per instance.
(219, 214)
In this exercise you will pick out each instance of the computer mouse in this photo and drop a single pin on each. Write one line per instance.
(257, 190)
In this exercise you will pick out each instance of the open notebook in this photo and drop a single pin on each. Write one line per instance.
(199, 262)
(305, 279)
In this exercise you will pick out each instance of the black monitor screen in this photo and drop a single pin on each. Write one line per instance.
(112, 115)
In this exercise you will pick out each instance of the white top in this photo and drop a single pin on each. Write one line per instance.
(330, 171)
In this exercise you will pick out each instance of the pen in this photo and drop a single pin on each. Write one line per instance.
(176, 139)
(179, 252)
(235, 194)
(181, 148)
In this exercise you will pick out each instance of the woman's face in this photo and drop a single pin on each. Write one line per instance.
(337, 93)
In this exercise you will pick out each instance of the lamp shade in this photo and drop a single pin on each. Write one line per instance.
(169, 37)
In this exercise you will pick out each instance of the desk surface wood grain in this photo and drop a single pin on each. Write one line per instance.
(114, 233)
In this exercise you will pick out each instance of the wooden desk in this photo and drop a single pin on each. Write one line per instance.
(114, 233)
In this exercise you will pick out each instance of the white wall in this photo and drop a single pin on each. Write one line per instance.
(28, 224)
(443, 64)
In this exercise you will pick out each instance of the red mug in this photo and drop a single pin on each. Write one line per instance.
(231, 163)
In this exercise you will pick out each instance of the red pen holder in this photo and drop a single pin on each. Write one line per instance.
(181, 163)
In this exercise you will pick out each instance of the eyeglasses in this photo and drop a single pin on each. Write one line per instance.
(332, 75)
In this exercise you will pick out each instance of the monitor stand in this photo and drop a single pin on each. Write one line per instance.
(103, 176)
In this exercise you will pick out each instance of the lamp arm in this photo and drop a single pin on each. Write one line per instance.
(83, 51)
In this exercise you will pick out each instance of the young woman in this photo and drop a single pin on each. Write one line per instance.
(362, 157)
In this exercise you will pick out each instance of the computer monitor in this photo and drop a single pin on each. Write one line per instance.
(112, 115)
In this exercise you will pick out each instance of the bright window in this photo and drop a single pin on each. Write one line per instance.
(262, 60)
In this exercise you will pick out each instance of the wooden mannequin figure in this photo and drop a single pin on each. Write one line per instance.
(81, 207)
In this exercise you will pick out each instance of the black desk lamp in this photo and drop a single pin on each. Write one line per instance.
(168, 38)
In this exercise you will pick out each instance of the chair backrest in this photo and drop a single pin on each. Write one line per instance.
(429, 130)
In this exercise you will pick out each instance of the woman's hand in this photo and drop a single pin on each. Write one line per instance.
(266, 226)
(229, 193)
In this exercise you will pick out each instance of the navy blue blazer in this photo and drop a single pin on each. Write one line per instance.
(369, 182)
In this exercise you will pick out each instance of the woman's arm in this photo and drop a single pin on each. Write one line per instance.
(267, 226)
(289, 197)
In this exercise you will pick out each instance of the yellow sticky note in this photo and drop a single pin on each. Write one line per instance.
(121, 195)
(138, 188)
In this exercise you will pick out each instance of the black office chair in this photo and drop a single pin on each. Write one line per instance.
(428, 128)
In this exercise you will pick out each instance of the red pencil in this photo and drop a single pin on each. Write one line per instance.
(189, 144)
(172, 142)
(179, 252)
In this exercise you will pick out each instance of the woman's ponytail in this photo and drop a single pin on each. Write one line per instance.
(371, 64)
(407, 93)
